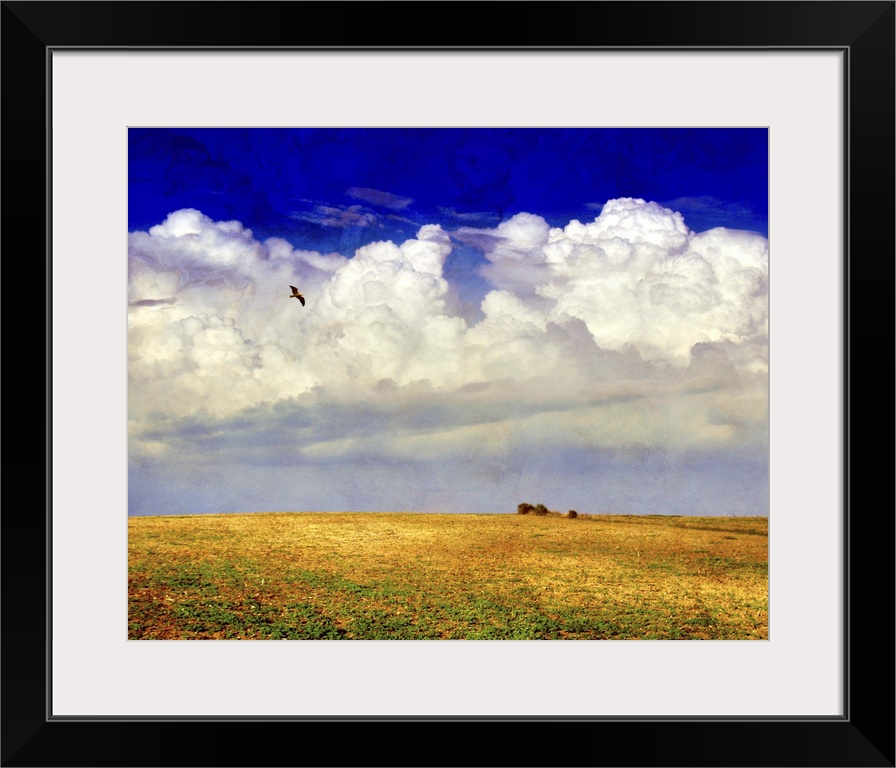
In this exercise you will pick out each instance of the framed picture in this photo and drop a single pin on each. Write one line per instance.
(815, 78)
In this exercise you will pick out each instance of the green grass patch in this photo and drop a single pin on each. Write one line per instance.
(371, 576)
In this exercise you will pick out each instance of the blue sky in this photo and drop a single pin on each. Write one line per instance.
(274, 180)
(492, 316)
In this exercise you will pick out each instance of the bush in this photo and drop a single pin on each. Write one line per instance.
(524, 508)
(572, 514)
(541, 509)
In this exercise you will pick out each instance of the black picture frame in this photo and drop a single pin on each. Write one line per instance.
(863, 736)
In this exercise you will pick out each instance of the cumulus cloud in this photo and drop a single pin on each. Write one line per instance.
(209, 325)
(637, 277)
(627, 333)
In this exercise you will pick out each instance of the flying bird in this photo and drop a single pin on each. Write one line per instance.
(297, 295)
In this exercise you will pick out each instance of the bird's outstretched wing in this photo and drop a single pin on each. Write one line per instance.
(297, 295)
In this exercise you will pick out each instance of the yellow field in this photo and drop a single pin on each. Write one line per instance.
(344, 575)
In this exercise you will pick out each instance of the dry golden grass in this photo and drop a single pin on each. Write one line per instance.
(421, 576)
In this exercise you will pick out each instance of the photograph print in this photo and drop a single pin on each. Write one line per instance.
(448, 384)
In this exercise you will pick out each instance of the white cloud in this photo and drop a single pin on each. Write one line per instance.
(626, 331)
(637, 277)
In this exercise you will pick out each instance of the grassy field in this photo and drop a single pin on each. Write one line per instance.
(395, 576)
